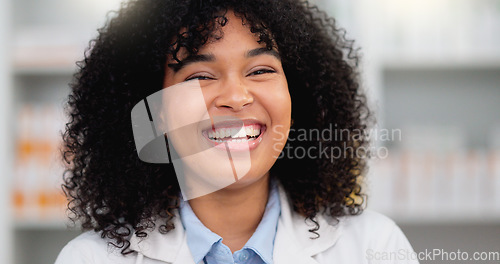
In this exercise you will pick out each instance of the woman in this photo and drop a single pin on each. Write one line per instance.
(240, 72)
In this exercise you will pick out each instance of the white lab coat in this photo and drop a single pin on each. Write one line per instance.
(366, 238)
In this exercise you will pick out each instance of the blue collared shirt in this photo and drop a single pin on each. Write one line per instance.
(207, 247)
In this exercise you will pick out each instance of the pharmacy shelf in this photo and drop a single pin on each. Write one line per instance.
(43, 224)
(453, 218)
(45, 70)
(430, 63)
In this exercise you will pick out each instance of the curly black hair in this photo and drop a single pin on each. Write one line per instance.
(111, 191)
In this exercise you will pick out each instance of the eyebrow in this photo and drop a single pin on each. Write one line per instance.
(263, 51)
(211, 58)
(190, 60)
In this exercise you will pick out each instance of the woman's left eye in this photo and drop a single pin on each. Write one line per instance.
(261, 71)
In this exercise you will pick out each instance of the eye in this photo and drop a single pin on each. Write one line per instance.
(261, 71)
(199, 77)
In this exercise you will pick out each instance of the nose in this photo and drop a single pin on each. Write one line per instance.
(234, 95)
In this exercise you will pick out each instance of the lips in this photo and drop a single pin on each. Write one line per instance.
(236, 135)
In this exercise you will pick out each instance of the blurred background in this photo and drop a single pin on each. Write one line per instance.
(431, 69)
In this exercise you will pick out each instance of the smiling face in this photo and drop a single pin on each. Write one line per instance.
(246, 96)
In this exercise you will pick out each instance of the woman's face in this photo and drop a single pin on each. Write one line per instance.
(244, 89)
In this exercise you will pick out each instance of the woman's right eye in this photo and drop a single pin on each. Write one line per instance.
(199, 77)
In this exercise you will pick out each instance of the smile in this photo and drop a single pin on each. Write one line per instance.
(245, 133)
(235, 135)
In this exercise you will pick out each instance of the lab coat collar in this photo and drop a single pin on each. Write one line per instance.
(170, 247)
(293, 243)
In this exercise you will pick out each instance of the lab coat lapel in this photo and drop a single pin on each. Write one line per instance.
(287, 250)
(294, 243)
(170, 247)
(184, 256)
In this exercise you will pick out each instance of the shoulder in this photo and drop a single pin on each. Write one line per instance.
(373, 229)
(368, 223)
(90, 247)
(88, 239)
(361, 238)
(368, 227)
(370, 235)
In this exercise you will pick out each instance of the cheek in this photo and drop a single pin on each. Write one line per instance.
(210, 93)
(190, 110)
(279, 105)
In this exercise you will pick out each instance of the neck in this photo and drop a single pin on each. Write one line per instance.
(233, 213)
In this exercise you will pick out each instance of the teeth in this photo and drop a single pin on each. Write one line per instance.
(236, 134)
(240, 134)
(251, 131)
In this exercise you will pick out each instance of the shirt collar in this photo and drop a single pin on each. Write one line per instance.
(200, 239)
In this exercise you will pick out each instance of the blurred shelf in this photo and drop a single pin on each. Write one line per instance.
(425, 219)
(42, 224)
(46, 60)
(34, 217)
(45, 70)
(430, 63)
